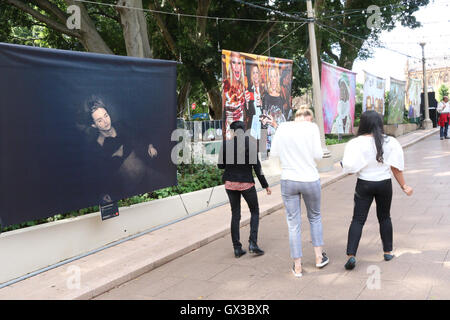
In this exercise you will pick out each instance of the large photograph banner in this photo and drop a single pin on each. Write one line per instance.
(373, 98)
(338, 98)
(396, 101)
(81, 129)
(257, 91)
(413, 98)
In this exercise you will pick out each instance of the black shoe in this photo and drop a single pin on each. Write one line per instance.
(350, 265)
(239, 252)
(324, 261)
(254, 249)
(442, 138)
(388, 257)
(447, 137)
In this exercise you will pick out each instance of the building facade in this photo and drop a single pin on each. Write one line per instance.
(438, 73)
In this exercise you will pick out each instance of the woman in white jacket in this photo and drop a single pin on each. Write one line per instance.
(297, 144)
(373, 156)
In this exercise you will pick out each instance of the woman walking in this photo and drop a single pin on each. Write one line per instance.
(297, 144)
(239, 181)
(373, 156)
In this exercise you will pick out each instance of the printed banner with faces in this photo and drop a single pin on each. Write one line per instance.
(396, 101)
(413, 98)
(257, 91)
(373, 98)
(338, 98)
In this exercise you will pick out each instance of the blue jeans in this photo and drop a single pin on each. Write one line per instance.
(444, 131)
(292, 191)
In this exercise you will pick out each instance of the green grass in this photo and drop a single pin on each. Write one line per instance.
(333, 139)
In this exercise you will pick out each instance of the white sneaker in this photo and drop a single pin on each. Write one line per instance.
(324, 261)
(298, 275)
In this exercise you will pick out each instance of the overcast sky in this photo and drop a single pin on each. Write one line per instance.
(435, 32)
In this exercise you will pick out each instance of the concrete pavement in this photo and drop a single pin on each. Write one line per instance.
(193, 258)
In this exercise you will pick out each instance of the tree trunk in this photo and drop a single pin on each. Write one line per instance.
(90, 38)
(202, 10)
(215, 103)
(182, 99)
(348, 55)
(134, 26)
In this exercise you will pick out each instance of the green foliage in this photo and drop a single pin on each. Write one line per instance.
(442, 92)
(359, 93)
(386, 107)
(200, 55)
(350, 46)
(334, 139)
(358, 110)
(190, 178)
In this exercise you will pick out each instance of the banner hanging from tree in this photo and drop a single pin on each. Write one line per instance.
(413, 98)
(396, 101)
(257, 91)
(373, 98)
(338, 98)
(81, 129)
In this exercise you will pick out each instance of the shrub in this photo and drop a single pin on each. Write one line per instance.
(190, 178)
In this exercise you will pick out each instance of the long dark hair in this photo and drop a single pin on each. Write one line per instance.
(371, 122)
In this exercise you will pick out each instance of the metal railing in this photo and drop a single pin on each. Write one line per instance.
(208, 130)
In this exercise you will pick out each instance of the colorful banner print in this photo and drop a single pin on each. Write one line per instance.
(396, 101)
(257, 91)
(413, 98)
(74, 134)
(373, 98)
(338, 99)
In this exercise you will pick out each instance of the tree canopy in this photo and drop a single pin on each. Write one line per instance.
(161, 29)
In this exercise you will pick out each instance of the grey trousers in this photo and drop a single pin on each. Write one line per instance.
(292, 191)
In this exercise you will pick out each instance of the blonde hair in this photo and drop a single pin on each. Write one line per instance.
(231, 76)
(304, 111)
(278, 87)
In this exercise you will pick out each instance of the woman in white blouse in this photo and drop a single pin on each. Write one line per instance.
(297, 144)
(373, 156)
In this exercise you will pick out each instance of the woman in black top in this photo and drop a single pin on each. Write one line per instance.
(238, 157)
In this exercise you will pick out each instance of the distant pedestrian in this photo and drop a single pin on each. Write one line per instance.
(444, 117)
(373, 156)
(238, 160)
(297, 144)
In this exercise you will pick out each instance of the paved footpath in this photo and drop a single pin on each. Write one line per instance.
(193, 258)
(421, 269)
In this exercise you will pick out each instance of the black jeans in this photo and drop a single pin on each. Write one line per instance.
(365, 191)
(251, 198)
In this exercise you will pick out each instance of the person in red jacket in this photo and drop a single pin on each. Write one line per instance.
(444, 117)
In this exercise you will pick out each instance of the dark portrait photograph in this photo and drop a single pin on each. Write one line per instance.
(81, 129)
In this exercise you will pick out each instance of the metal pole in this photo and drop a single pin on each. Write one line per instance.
(427, 123)
(189, 109)
(317, 96)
